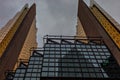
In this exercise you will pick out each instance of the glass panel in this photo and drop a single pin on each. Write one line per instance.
(30, 66)
(37, 58)
(51, 74)
(31, 62)
(51, 69)
(33, 78)
(36, 62)
(51, 60)
(35, 70)
(34, 75)
(85, 74)
(71, 74)
(51, 64)
(45, 64)
(28, 74)
(45, 60)
(45, 69)
(46, 55)
(32, 58)
(44, 74)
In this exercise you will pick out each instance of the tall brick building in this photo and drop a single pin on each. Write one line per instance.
(17, 37)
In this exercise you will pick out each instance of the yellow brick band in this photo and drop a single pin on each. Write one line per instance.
(4, 43)
(110, 29)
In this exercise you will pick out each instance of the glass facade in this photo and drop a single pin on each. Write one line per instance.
(69, 58)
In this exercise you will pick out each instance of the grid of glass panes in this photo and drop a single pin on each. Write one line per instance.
(74, 60)
(68, 60)
(34, 68)
(20, 73)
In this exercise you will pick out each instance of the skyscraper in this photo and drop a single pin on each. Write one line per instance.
(92, 54)
(110, 27)
(99, 24)
(17, 38)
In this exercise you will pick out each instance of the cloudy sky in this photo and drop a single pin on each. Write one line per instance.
(54, 16)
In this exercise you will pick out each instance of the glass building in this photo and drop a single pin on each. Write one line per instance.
(68, 58)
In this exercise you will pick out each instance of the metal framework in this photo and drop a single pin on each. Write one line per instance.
(67, 58)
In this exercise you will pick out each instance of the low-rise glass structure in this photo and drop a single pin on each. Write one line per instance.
(69, 58)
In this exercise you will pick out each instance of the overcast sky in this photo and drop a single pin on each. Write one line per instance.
(57, 17)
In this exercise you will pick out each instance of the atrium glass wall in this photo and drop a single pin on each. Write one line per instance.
(70, 58)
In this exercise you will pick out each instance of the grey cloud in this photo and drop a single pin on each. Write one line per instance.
(53, 16)
(58, 18)
(8, 8)
(60, 8)
(112, 7)
(65, 12)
